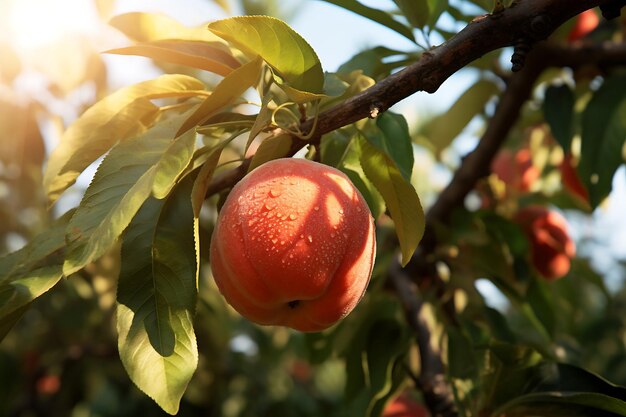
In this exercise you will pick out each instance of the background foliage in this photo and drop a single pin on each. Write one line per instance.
(527, 346)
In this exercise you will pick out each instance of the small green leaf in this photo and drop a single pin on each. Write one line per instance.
(123, 181)
(399, 195)
(542, 303)
(415, 11)
(194, 54)
(558, 110)
(114, 118)
(395, 141)
(443, 129)
(273, 147)
(225, 93)
(376, 15)
(173, 163)
(602, 139)
(156, 297)
(377, 62)
(289, 55)
(147, 27)
(31, 271)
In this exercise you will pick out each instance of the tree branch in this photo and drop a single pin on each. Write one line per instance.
(532, 20)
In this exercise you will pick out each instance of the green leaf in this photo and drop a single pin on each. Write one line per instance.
(225, 93)
(156, 297)
(289, 55)
(376, 15)
(395, 141)
(262, 121)
(173, 163)
(123, 181)
(542, 303)
(377, 62)
(201, 55)
(114, 118)
(273, 147)
(415, 11)
(205, 174)
(31, 271)
(558, 110)
(603, 136)
(147, 27)
(443, 129)
(562, 404)
(399, 195)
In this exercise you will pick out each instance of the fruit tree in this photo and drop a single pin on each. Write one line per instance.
(246, 232)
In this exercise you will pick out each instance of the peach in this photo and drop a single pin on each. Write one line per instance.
(570, 178)
(293, 245)
(551, 247)
(585, 23)
(404, 406)
(515, 169)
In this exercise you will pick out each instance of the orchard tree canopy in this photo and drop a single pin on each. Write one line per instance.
(442, 264)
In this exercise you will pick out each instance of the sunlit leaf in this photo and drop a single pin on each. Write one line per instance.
(31, 271)
(113, 119)
(289, 55)
(156, 298)
(442, 130)
(123, 181)
(146, 27)
(262, 121)
(226, 93)
(558, 110)
(376, 15)
(205, 174)
(201, 55)
(399, 195)
(273, 147)
(603, 137)
(173, 163)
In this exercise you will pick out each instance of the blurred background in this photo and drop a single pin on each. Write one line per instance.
(61, 358)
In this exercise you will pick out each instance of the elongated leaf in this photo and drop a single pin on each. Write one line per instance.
(146, 27)
(563, 404)
(205, 174)
(173, 162)
(558, 110)
(31, 271)
(115, 118)
(603, 136)
(273, 147)
(376, 15)
(122, 183)
(194, 54)
(415, 11)
(262, 121)
(443, 129)
(399, 195)
(290, 56)
(156, 297)
(395, 141)
(225, 93)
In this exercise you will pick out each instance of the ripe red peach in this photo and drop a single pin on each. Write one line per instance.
(515, 169)
(293, 245)
(551, 247)
(404, 406)
(585, 23)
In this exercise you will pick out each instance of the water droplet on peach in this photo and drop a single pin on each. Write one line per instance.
(292, 216)
(274, 193)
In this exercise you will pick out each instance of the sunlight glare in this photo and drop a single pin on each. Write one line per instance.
(36, 23)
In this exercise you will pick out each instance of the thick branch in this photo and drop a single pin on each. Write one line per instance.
(532, 20)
